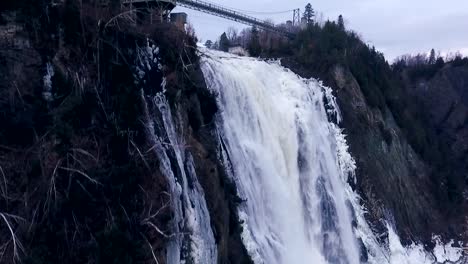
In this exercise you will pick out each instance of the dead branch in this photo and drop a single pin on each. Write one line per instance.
(141, 155)
(82, 174)
(52, 188)
(151, 248)
(158, 230)
(17, 246)
(100, 102)
(125, 212)
(84, 189)
(151, 216)
(4, 188)
(84, 152)
(183, 146)
(125, 15)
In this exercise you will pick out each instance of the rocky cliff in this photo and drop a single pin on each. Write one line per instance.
(79, 180)
(444, 96)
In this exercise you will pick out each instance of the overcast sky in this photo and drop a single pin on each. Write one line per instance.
(395, 27)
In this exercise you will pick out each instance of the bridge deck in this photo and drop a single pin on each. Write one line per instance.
(223, 12)
(216, 10)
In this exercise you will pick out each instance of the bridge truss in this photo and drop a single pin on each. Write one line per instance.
(220, 11)
(230, 14)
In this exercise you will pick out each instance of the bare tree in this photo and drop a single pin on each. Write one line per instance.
(320, 19)
(244, 37)
(233, 36)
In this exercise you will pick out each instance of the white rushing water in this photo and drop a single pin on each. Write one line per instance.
(291, 166)
(191, 239)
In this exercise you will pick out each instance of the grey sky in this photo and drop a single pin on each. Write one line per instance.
(395, 27)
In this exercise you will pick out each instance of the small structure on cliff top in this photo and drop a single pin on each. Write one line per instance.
(179, 19)
(150, 11)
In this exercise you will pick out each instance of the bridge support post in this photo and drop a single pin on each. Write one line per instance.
(297, 17)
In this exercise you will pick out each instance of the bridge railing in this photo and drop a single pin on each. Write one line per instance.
(224, 12)
(190, 3)
(219, 11)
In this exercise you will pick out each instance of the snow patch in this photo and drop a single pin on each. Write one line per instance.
(146, 59)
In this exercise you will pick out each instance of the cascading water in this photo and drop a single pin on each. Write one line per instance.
(284, 156)
(291, 165)
(191, 239)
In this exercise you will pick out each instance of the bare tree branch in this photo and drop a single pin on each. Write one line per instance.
(17, 246)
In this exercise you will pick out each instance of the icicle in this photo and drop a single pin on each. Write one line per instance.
(47, 93)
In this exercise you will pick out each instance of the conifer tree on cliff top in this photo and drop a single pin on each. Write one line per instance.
(309, 14)
(341, 24)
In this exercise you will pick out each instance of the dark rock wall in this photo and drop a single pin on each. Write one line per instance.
(445, 98)
(74, 188)
(391, 176)
(79, 183)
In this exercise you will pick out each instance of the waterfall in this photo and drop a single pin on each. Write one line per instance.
(290, 162)
(284, 155)
(291, 165)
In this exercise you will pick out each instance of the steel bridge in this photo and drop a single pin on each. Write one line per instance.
(216, 10)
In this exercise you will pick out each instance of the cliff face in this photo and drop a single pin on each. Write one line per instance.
(445, 98)
(74, 188)
(391, 176)
(79, 182)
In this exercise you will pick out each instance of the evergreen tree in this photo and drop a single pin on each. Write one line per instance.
(309, 14)
(254, 44)
(209, 44)
(432, 57)
(440, 62)
(341, 22)
(224, 43)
